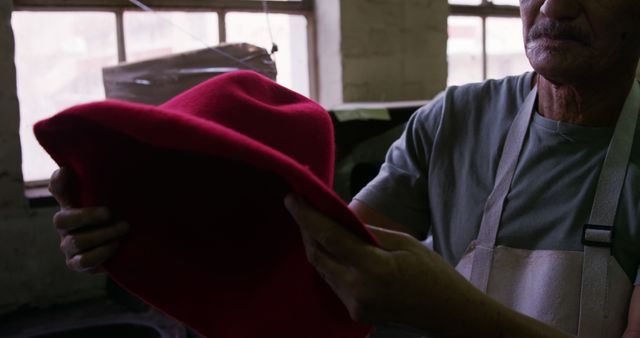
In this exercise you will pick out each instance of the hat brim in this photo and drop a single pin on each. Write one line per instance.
(211, 243)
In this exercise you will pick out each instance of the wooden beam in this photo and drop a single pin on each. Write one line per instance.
(485, 10)
(227, 5)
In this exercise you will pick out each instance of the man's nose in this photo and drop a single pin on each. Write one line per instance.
(561, 10)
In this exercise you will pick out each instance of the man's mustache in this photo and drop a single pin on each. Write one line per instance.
(557, 30)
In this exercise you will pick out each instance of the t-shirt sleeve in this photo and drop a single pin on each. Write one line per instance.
(637, 282)
(399, 191)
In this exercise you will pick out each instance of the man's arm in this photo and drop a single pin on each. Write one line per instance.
(633, 325)
(404, 283)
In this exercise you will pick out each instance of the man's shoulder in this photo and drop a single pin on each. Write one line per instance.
(507, 91)
(514, 87)
(486, 107)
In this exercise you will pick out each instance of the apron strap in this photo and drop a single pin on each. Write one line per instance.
(483, 253)
(598, 233)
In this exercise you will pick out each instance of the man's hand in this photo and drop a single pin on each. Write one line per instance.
(88, 236)
(633, 322)
(404, 283)
(400, 283)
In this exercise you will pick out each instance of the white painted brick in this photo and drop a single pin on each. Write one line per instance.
(32, 268)
(393, 49)
(11, 186)
(329, 57)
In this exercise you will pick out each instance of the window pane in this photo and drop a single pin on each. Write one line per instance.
(465, 2)
(506, 2)
(464, 50)
(149, 35)
(59, 59)
(289, 33)
(505, 48)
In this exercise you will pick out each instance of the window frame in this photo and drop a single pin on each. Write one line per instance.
(486, 9)
(220, 7)
(36, 191)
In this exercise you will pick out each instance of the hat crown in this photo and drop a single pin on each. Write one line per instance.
(255, 106)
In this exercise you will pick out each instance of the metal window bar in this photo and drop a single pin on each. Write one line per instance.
(122, 51)
(222, 26)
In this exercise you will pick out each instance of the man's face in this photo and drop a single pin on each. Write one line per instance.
(573, 40)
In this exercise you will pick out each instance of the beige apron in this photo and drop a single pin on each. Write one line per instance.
(584, 293)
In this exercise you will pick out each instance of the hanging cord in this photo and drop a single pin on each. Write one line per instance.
(265, 8)
(148, 9)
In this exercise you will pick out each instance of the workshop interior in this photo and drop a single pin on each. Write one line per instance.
(369, 64)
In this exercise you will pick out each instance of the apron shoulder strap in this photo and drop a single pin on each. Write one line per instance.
(597, 235)
(483, 255)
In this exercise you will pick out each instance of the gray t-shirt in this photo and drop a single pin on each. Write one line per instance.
(438, 175)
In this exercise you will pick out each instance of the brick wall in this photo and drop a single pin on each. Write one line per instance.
(32, 268)
(393, 49)
(329, 57)
(374, 50)
(11, 192)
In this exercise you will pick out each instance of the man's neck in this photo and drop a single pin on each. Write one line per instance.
(596, 105)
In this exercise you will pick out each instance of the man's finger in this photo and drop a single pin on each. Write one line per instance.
(76, 243)
(68, 220)
(326, 266)
(92, 259)
(59, 187)
(336, 240)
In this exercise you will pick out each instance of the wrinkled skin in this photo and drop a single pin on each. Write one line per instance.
(573, 41)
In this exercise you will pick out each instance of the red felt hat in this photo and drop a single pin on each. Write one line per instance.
(201, 180)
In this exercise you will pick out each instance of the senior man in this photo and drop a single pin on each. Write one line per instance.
(515, 178)
(522, 182)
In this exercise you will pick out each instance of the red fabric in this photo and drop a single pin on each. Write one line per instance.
(201, 179)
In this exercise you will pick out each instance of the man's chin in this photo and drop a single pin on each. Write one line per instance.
(561, 74)
(560, 66)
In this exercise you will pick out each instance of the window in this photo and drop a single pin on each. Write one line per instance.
(485, 40)
(62, 46)
(148, 35)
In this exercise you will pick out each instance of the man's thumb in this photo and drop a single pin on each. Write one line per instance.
(59, 186)
(390, 239)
